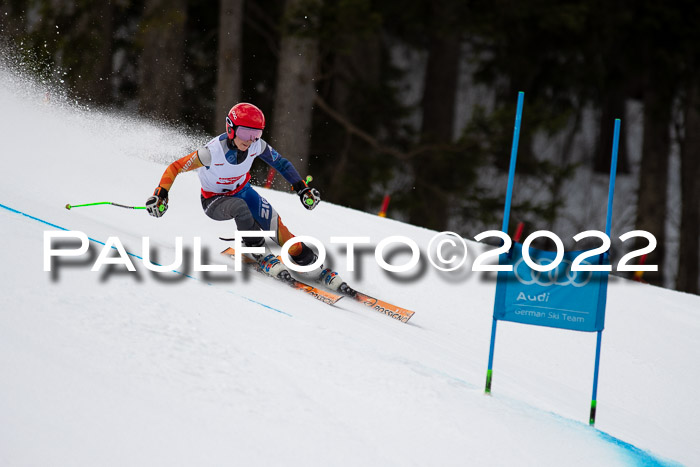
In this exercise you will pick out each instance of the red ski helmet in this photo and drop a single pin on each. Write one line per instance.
(244, 114)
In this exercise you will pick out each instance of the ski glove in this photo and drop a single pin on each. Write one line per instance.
(157, 204)
(309, 197)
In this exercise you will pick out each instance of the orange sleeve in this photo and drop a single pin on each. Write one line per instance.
(184, 164)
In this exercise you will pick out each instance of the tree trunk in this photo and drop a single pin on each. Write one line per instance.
(689, 251)
(296, 88)
(229, 62)
(431, 202)
(162, 59)
(653, 176)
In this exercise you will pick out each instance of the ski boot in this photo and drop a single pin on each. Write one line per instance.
(270, 263)
(330, 279)
(333, 281)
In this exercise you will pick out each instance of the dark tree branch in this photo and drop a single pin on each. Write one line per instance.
(372, 141)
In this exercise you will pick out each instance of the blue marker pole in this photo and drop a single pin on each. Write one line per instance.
(506, 219)
(613, 172)
(608, 228)
(513, 157)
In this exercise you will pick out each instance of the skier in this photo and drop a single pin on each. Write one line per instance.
(223, 166)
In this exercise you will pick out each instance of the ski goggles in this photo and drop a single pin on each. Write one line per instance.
(248, 134)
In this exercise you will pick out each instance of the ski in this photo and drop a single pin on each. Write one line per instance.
(324, 296)
(389, 309)
(330, 298)
(393, 311)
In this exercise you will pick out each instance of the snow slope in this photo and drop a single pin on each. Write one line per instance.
(141, 368)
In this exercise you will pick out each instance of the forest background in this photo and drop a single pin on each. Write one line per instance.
(416, 100)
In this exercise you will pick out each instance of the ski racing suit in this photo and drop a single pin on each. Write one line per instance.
(224, 173)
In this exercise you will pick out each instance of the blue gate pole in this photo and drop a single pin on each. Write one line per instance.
(513, 157)
(489, 371)
(506, 219)
(613, 173)
(608, 228)
(591, 418)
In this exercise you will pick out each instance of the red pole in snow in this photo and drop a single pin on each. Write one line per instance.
(385, 205)
(270, 178)
(518, 232)
(638, 274)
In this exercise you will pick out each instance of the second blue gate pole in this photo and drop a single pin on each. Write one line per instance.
(506, 219)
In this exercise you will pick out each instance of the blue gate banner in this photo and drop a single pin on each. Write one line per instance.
(560, 298)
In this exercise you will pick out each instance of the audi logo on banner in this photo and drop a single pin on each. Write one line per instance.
(561, 275)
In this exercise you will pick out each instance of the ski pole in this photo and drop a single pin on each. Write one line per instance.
(69, 206)
(308, 180)
(308, 201)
